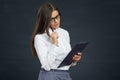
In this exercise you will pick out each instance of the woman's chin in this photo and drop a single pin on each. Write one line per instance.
(56, 27)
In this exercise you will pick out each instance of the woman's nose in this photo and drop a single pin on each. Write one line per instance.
(55, 20)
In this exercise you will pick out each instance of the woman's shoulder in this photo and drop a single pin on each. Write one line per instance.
(38, 36)
(41, 36)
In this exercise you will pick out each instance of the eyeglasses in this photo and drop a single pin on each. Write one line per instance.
(55, 18)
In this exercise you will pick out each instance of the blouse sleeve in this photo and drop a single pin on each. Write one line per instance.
(46, 57)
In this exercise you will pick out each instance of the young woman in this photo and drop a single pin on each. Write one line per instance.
(51, 44)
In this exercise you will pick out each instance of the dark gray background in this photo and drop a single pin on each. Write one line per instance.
(96, 21)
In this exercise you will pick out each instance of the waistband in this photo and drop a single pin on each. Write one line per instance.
(55, 70)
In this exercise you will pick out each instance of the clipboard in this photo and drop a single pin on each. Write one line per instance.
(79, 47)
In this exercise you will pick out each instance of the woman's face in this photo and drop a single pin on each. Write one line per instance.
(55, 19)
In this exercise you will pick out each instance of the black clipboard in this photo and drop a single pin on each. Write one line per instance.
(79, 47)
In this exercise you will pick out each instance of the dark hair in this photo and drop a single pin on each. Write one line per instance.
(42, 22)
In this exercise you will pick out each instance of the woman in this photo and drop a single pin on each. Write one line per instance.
(51, 44)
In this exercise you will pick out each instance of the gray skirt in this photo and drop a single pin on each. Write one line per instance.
(54, 75)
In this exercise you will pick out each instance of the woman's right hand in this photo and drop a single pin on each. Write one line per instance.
(54, 37)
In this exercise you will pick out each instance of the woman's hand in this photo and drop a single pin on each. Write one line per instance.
(77, 57)
(54, 37)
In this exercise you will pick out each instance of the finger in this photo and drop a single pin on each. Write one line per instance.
(73, 58)
(79, 53)
(76, 57)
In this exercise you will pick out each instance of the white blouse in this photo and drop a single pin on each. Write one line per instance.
(51, 56)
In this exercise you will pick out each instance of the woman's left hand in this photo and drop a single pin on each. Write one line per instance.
(77, 57)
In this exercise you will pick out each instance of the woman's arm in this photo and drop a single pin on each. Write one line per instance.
(46, 57)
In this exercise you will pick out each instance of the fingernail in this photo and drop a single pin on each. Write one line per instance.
(79, 53)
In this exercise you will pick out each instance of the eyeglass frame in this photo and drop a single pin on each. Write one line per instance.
(55, 18)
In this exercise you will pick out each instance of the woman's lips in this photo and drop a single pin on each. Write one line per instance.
(56, 25)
